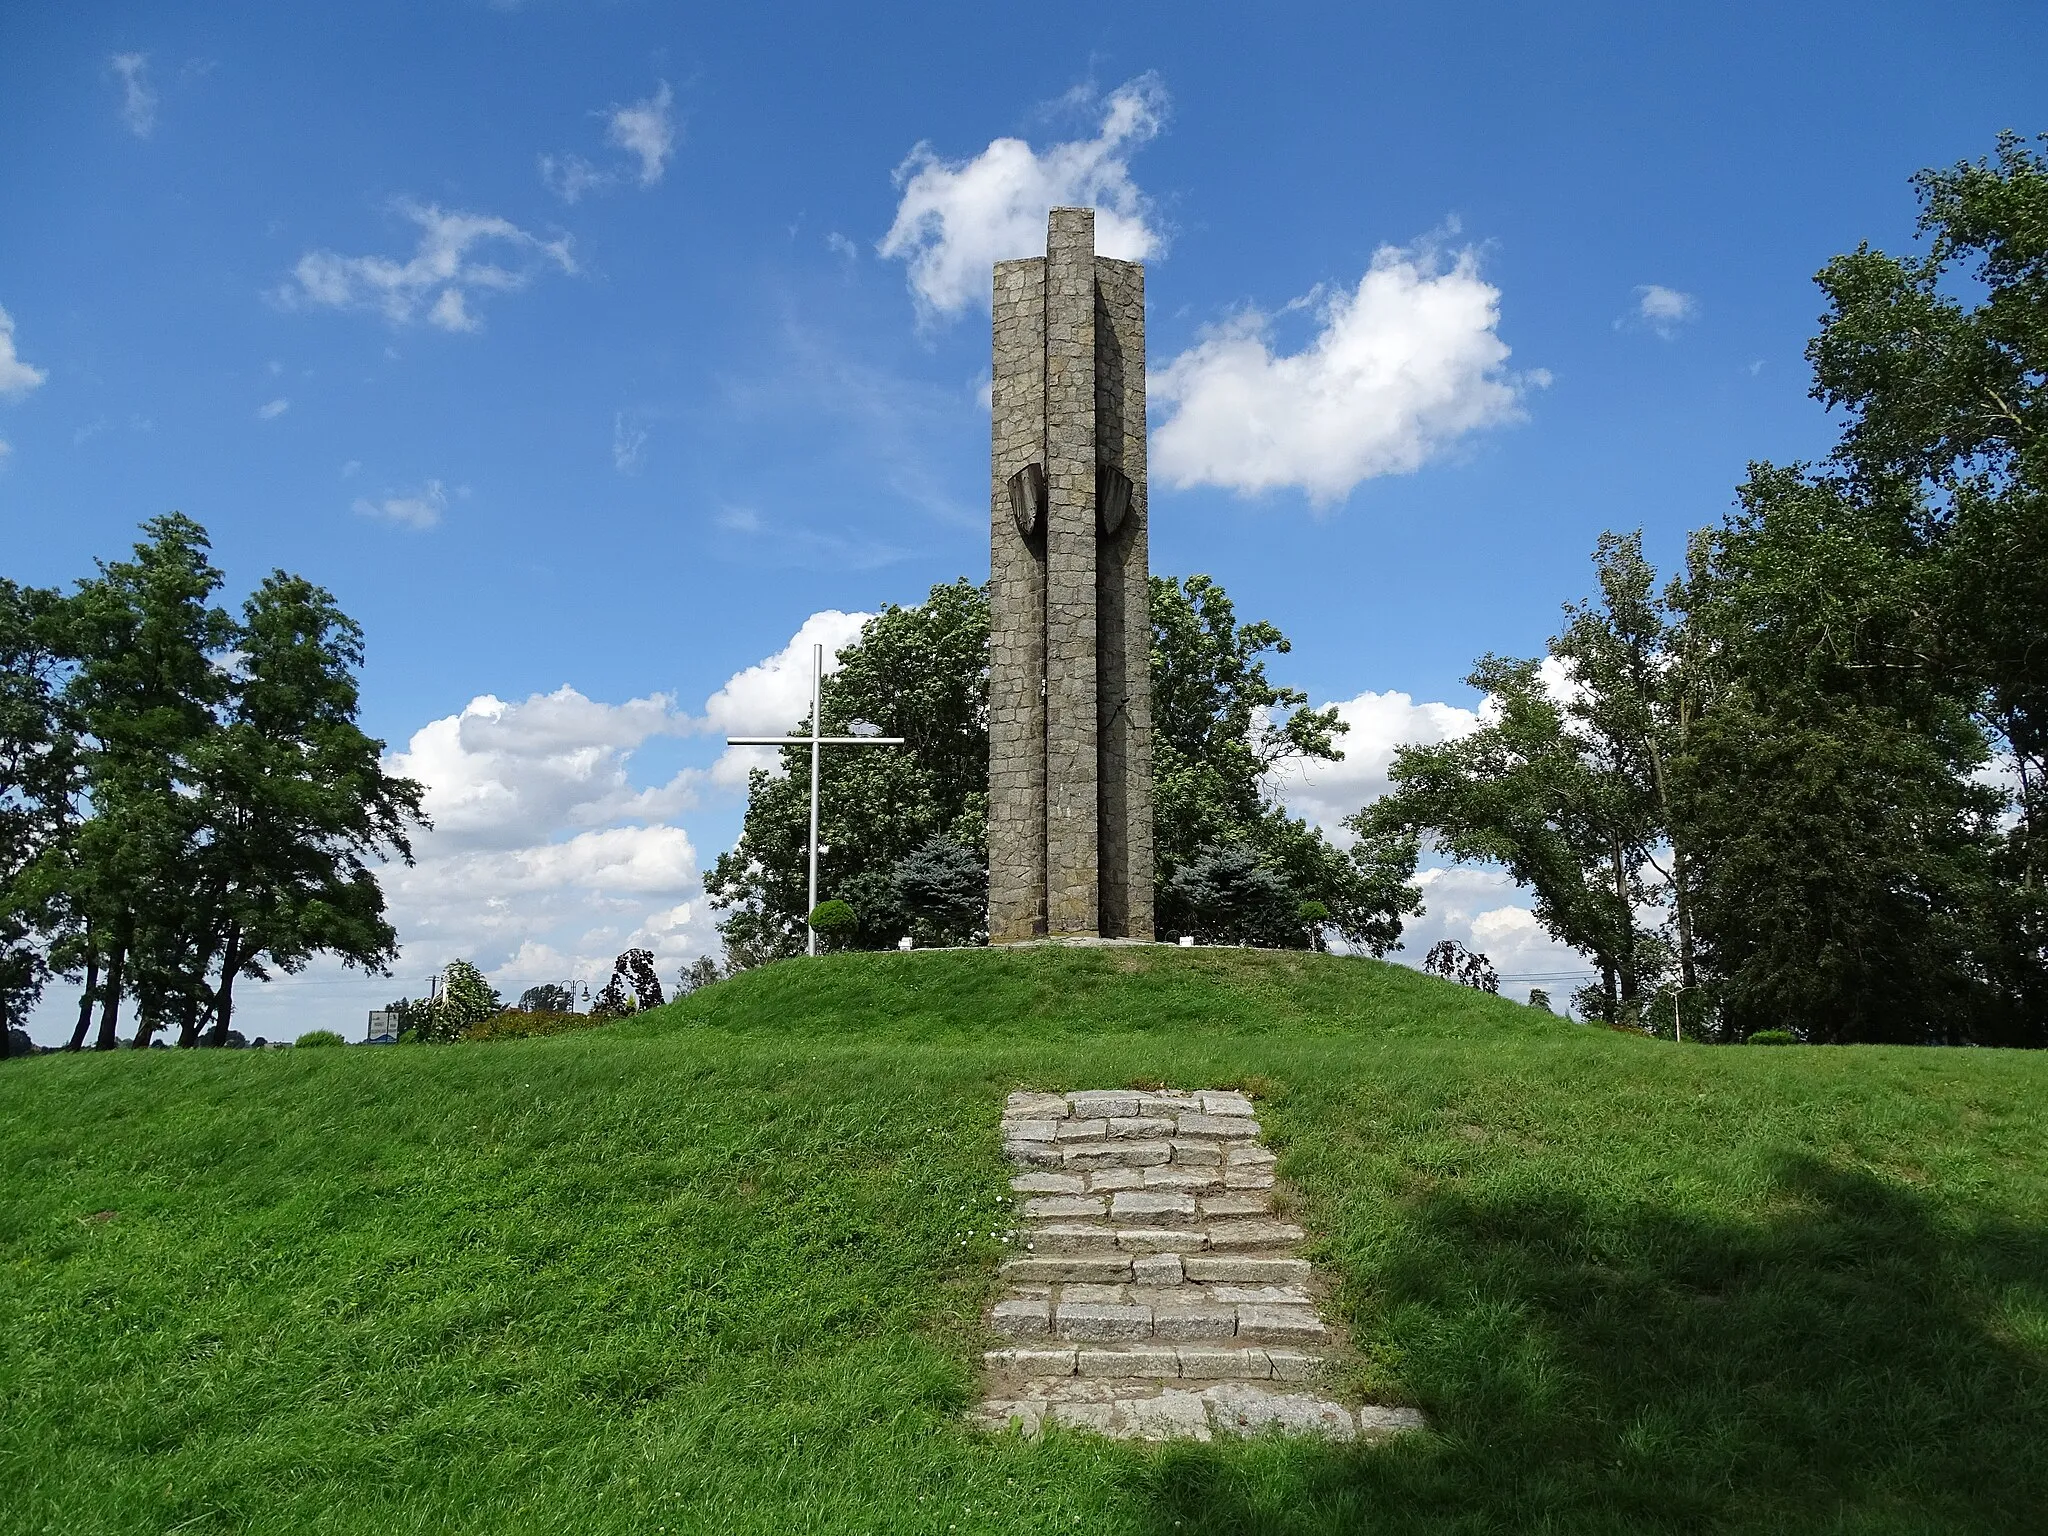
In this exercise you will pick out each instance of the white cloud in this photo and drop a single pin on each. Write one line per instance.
(571, 177)
(645, 131)
(273, 410)
(138, 96)
(443, 273)
(629, 439)
(1403, 367)
(772, 696)
(1662, 309)
(1485, 910)
(420, 509)
(17, 378)
(957, 218)
(497, 771)
(842, 247)
(1325, 793)
(6, 448)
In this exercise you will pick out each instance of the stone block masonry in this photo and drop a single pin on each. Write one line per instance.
(1070, 714)
(1148, 1303)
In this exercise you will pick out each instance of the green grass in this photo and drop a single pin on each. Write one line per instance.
(719, 1268)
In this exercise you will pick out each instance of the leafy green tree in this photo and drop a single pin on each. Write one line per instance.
(295, 801)
(1940, 363)
(942, 887)
(38, 780)
(143, 636)
(1540, 793)
(548, 997)
(1845, 842)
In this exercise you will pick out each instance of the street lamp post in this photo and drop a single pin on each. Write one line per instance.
(816, 741)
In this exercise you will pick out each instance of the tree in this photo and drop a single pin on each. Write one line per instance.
(942, 887)
(1546, 797)
(295, 801)
(1846, 846)
(697, 975)
(1467, 967)
(548, 997)
(143, 692)
(38, 779)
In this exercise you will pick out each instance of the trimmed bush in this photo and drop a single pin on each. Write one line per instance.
(318, 1037)
(833, 918)
(1772, 1037)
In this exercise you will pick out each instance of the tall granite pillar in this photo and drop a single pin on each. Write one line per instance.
(1070, 716)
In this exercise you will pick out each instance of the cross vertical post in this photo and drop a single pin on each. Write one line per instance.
(864, 736)
(817, 692)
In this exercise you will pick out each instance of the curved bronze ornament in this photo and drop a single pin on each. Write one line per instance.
(1027, 499)
(1112, 499)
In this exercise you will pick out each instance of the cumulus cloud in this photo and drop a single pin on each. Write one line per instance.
(138, 96)
(645, 133)
(1403, 367)
(420, 509)
(958, 217)
(1662, 310)
(1325, 793)
(17, 378)
(1485, 910)
(272, 410)
(771, 697)
(459, 256)
(496, 771)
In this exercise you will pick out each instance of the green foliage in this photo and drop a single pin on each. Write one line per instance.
(1772, 1037)
(721, 1268)
(201, 803)
(834, 922)
(528, 1024)
(1538, 998)
(942, 887)
(315, 1038)
(465, 998)
(697, 975)
(548, 997)
(1568, 793)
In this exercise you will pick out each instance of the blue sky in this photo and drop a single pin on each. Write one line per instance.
(570, 347)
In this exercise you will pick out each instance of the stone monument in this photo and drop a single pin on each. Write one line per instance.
(1070, 699)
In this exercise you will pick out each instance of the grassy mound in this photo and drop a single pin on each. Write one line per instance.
(719, 1268)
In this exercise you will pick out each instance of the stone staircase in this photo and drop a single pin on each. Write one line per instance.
(1158, 1296)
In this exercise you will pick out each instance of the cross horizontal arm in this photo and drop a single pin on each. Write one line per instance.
(823, 741)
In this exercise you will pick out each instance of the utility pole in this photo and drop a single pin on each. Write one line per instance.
(864, 736)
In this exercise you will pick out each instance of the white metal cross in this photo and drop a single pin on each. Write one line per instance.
(815, 741)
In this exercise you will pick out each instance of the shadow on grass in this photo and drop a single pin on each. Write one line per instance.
(1854, 1361)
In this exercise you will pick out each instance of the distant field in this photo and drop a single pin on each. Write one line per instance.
(720, 1268)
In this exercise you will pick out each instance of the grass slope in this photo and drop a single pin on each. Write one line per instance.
(719, 1268)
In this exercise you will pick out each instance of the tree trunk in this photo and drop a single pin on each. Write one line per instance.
(110, 1005)
(85, 998)
(1625, 946)
(224, 995)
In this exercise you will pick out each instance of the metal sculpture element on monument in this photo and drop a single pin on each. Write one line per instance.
(1070, 709)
